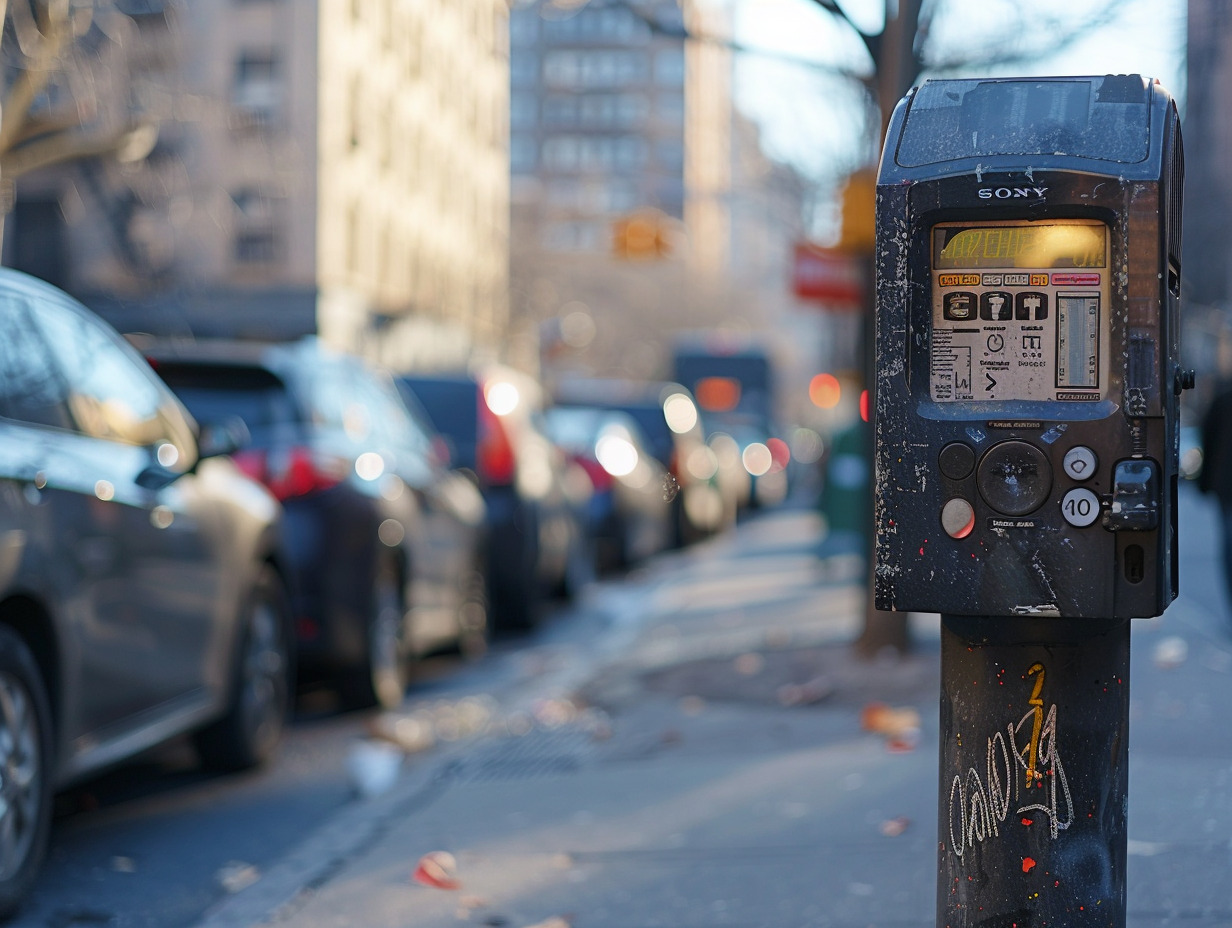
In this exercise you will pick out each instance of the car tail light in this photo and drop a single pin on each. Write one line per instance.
(291, 473)
(780, 452)
(495, 460)
(600, 479)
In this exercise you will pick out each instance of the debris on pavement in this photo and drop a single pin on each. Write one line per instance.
(692, 706)
(438, 869)
(468, 904)
(554, 713)
(557, 921)
(373, 767)
(237, 875)
(1169, 653)
(749, 664)
(894, 827)
(900, 726)
(805, 694)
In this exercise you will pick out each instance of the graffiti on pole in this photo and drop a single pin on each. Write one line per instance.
(1028, 780)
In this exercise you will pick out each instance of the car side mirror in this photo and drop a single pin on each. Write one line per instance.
(218, 439)
(155, 476)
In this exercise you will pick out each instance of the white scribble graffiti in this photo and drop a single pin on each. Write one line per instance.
(1029, 779)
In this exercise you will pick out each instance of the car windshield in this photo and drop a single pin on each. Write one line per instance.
(214, 395)
(452, 407)
(575, 428)
(658, 435)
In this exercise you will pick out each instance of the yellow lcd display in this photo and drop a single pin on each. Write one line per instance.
(1029, 245)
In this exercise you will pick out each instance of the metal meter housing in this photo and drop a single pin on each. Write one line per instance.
(1027, 339)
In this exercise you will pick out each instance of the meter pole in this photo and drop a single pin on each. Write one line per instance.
(1033, 772)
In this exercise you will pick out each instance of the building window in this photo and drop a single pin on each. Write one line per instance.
(592, 195)
(601, 68)
(253, 204)
(524, 70)
(574, 236)
(670, 153)
(560, 111)
(669, 67)
(256, 88)
(591, 153)
(622, 196)
(611, 25)
(670, 108)
(522, 110)
(614, 110)
(256, 241)
(523, 26)
(522, 154)
(255, 246)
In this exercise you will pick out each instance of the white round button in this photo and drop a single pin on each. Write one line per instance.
(1080, 507)
(1080, 462)
(957, 518)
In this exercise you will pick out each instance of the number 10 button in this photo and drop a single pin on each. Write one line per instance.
(1080, 507)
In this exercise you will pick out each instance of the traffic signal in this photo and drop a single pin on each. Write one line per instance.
(641, 235)
(858, 206)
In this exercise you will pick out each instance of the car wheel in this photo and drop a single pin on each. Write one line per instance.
(381, 679)
(581, 567)
(473, 619)
(514, 580)
(25, 771)
(261, 682)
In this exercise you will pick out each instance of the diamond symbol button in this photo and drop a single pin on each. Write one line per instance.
(1080, 462)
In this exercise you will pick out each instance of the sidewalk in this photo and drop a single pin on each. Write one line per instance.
(697, 788)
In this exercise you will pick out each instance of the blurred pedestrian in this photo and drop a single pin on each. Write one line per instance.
(1216, 474)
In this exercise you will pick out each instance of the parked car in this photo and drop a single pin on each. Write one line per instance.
(535, 501)
(385, 545)
(751, 457)
(141, 587)
(702, 502)
(630, 516)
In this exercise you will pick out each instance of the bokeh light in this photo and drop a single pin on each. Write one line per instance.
(825, 391)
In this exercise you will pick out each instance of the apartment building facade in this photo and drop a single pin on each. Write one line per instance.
(336, 167)
(615, 111)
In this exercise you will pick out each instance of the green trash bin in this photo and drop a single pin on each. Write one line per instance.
(846, 499)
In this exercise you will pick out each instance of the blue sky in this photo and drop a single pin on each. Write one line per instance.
(808, 116)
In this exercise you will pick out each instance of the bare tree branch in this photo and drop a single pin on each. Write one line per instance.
(1010, 43)
(87, 115)
(15, 110)
(58, 148)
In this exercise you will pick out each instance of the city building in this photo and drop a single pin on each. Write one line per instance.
(337, 167)
(598, 121)
(641, 199)
(620, 137)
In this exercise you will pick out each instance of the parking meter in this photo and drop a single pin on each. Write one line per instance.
(1027, 316)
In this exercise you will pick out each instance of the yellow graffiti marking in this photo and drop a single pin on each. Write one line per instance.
(1037, 701)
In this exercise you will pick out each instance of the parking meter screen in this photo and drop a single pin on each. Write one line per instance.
(1020, 311)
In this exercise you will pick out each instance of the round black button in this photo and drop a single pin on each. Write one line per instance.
(1014, 478)
(956, 460)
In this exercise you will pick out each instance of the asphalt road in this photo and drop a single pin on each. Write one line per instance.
(156, 843)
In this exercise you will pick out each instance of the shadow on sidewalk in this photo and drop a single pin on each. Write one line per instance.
(828, 675)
